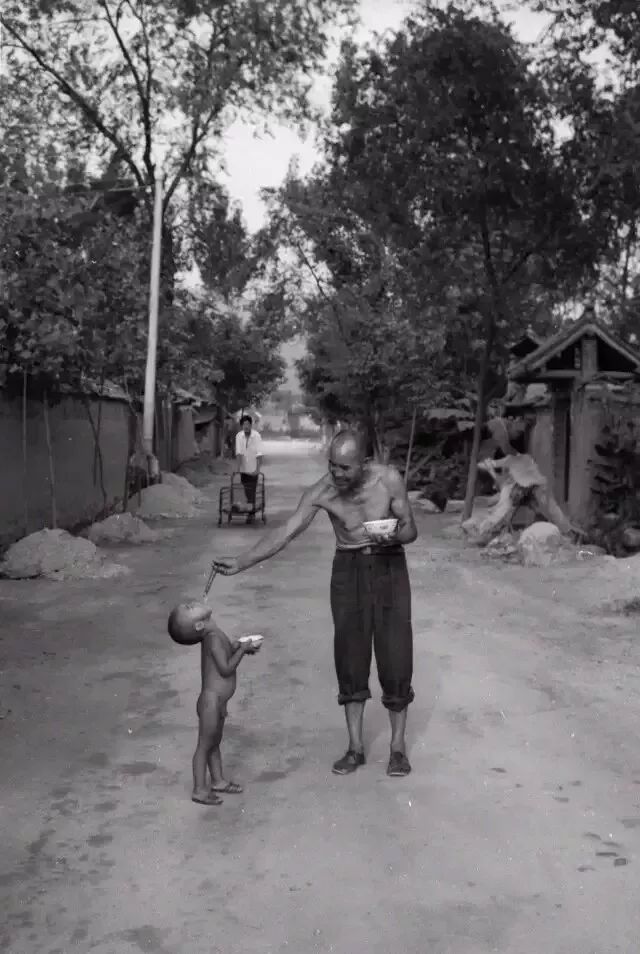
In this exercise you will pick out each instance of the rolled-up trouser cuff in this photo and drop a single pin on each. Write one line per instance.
(361, 696)
(398, 703)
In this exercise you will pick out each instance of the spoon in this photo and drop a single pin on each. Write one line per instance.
(210, 580)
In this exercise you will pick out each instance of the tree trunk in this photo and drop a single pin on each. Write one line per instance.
(492, 311)
(411, 440)
(25, 472)
(97, 454)
(52, 475)
(479, 419)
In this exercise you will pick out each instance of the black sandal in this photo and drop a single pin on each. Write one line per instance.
(399, 765)
(349, 762)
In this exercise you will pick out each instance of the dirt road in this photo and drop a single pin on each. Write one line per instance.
(518, 831)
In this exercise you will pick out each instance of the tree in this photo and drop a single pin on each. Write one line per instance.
(134, 76)
(447, 135)
(591, 61)
(229, 352)
(363, 362)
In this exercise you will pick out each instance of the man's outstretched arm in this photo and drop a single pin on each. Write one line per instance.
(275, 540)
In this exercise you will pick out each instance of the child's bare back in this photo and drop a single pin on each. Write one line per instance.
(191, 623)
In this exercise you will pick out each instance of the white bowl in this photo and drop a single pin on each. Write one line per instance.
(255, 639)
(381, 528)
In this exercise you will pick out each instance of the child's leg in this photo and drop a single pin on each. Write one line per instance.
(218, 782)
(209, 735)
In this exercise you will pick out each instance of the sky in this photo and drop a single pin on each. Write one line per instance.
(253, 163)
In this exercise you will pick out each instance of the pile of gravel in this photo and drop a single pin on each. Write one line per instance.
(57, 555)
(174, 497)
(122, 528)
(182, 487)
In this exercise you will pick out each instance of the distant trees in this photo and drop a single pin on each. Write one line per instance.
(461, 213)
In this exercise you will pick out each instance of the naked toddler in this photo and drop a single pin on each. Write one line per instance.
(189, 624)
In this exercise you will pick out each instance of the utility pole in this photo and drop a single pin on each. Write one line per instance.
(152, 342)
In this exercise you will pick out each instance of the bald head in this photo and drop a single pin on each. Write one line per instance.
(186, 623)
(348, 445)
(347, 455)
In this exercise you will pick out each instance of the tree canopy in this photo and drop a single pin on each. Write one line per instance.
(136, 79)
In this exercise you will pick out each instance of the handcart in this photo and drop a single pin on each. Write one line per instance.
(233, 501)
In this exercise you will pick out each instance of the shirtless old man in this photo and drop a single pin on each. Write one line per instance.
(370, 590)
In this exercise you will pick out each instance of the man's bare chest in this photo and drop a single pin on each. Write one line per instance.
(370, 503)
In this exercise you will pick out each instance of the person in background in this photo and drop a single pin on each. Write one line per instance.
(249, 461)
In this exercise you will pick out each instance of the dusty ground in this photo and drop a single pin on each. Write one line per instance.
(518, 831)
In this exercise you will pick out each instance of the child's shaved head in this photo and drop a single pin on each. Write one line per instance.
(186, 623)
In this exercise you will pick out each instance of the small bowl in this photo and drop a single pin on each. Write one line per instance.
(255, 639)
(381, 528)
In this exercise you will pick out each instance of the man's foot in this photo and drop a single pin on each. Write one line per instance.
(206, 798)
(227, 788)
(398, 765)
(348, 763)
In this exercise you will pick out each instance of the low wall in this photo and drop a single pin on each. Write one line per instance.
(78, 496)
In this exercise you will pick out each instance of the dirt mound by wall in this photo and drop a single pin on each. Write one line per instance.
(174, 497)
(57, 555)
(122, 528)
(182, 487)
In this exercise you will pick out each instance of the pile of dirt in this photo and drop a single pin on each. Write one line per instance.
(175, 497)
(57, 555)
(122, 528)
(183, 488)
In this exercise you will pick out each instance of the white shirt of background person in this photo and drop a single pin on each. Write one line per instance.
(248, 450)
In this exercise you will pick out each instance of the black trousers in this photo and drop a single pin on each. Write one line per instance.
(249, 484)
(371, 607)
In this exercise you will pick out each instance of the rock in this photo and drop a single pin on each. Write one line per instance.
(540, 544)
(631, 538)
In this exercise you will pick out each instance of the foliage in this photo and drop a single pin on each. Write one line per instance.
(591, 63)
(247, 362)
(443, 220)
(617, 473)
(452, 130)
(363, 357)
(74, 303)
(74, 287)
(136, 78)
